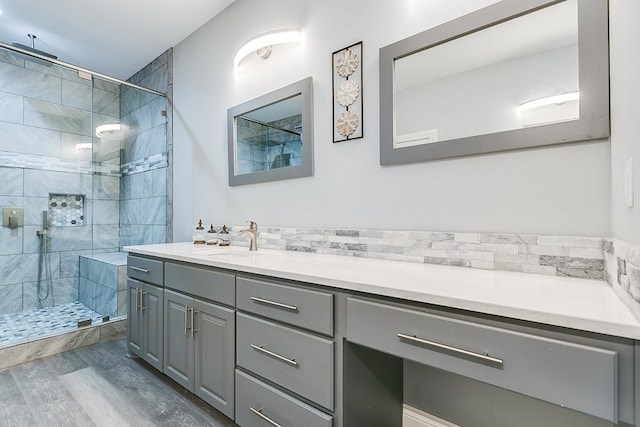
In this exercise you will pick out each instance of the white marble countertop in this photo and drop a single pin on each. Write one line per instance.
(583, 304)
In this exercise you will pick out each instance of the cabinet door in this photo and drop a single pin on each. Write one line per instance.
(152, 312)
(215, 356)
(178, 343)
(134, 318)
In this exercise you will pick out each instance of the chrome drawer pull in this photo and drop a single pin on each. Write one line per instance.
(261, 349)
(142, 270)
(259, 413)
(484, 357)
(275, 304)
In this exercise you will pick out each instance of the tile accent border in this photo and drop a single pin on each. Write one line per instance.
(34, 161)
(155, 161)
(551, 255)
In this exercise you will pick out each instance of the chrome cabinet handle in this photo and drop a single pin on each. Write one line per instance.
(259, 413)
(261, 349)
(274, 303)
(186, 313)
(142, 294)
(483, 357)
(137, 290)
(142, 270)
(193, 325)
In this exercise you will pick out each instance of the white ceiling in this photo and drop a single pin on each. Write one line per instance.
(113, 37)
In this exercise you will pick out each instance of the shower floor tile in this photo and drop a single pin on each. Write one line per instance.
(29, 325)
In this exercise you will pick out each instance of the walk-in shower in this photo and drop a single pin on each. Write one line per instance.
(84, 194)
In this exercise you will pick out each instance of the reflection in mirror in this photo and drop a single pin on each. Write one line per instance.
(432, 101)
(271, 137)
(512, 75)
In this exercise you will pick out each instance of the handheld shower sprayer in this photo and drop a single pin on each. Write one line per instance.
(45, 224)
(45, 284)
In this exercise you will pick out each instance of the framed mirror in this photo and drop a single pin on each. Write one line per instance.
(271, 137)
(513, 75)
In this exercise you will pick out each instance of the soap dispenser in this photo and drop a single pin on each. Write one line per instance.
(225, 238)
(199, 234)
(212, 236)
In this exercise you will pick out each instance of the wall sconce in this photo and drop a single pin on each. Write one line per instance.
(548, 100)
(262, 45)
(111, 127)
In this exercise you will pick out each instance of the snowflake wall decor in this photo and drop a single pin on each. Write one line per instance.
(347, 93)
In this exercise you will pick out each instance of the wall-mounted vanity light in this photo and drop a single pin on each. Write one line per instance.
(548, 100)
(263, 43)
(110, 127)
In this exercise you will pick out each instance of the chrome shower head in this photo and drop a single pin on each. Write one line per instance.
(32, 49)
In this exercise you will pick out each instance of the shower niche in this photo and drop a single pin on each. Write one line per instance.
(67, 210)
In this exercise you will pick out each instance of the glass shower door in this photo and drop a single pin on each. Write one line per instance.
(46, 170)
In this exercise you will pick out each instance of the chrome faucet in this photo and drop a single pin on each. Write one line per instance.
(252, 231)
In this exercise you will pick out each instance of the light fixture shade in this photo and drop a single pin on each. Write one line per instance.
(548, 100)
(269, 39)
(110, 127)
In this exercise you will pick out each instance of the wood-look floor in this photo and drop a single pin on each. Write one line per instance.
(98, 386)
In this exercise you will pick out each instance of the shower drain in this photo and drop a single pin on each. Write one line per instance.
(84, 322)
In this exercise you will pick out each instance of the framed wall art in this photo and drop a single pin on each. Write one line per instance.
(347, 93)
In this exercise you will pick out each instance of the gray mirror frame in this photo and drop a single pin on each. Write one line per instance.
(593, 45)
(305, 89)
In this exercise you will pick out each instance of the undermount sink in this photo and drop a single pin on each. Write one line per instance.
(247, 253)
(237, 251)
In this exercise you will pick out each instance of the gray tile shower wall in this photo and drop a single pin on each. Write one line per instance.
(103, 283)
(44, 113)
(145, 208)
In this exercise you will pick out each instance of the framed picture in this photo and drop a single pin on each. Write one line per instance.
(347, 93)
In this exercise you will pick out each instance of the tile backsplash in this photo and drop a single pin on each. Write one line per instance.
(616, 261)
(552, 255)
(622, 260)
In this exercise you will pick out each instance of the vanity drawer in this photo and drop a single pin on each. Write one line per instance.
(305, 308)
(201, 282)
(256, 402)
(298, 361)
(145, 269)
(571, 375)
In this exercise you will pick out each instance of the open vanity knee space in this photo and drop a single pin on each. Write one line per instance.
(287, 338)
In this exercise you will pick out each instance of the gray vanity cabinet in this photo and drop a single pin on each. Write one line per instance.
(262, 405)
(145, 313)
(278, 340)
(178, 343)
(146, 270)
(199, 338)
(588, 375)
(267, 351)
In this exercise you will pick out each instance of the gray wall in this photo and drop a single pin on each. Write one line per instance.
(624, 34)
(44, 112)
(562, 190)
